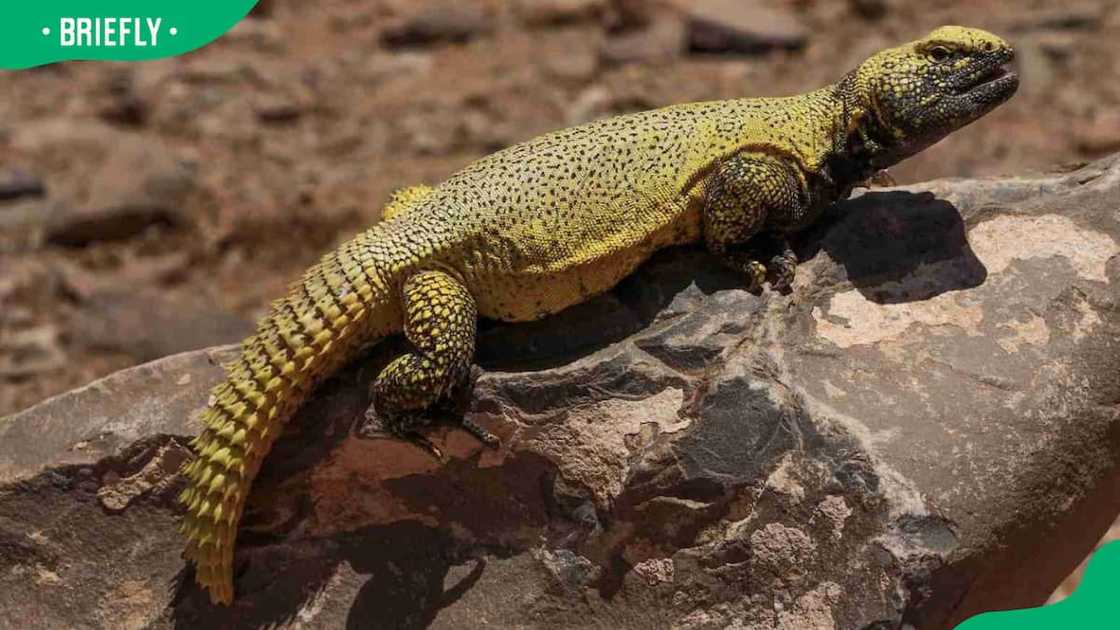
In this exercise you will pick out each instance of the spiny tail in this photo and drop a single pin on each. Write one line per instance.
(339, 304)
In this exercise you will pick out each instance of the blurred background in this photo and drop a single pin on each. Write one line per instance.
(152, 208)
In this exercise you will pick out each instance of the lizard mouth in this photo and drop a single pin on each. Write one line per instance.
(988, 83)
(998, 73)
(991, 77)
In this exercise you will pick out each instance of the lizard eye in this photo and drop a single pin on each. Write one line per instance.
(940, 53)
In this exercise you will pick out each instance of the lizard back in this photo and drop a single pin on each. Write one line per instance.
(549, 222)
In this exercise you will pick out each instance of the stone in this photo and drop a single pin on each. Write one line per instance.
(870, 9)
(579, 65)
(594, 101)
(260, 34)
(135, 181)
(278, 109)
(27, 352)
(740, 26)
(1099, 134)
(123, 105)
(439, 22)
(556, 12)
(16, 183)
(1070, 16)
(146, 324)
(923, 429)
(659, 41)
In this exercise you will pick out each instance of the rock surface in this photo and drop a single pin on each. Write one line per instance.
(926, 428)
(134, 183)
(741, 26)
(439, 22)
(147, 325)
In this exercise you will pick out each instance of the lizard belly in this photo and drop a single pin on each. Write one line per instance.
(535, 291)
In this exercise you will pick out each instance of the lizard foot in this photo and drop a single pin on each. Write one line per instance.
(783, 270)
(457, 402)
(372, 425)
(756, 276)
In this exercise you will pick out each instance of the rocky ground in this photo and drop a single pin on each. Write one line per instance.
(147, 209)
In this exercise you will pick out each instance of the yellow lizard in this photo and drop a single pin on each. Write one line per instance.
(548, 223)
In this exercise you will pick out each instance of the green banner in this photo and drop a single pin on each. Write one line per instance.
(36, 33)
(1092, 605)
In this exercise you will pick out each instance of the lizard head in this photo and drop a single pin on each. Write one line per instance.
(920, 92)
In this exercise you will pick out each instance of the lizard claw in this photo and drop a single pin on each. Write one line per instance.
(423, 442)
(756, 276)
(882, 179)
(783, 271)
(879, 179)
(372, 426)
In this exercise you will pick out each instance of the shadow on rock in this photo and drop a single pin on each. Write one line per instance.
(640, 300)
(894, 246)
(404, 584)
(897, 246)
(399, 571)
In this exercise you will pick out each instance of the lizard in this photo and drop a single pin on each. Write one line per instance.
(550, 222)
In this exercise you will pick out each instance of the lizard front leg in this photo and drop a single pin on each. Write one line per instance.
(440, 318)
(746, 194)
(782, 263)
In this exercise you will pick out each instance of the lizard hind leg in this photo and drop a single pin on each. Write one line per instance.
(440, 319)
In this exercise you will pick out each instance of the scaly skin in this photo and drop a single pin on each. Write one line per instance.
(542, 225)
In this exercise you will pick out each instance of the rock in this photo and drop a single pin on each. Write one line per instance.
(16, 183)
(261, 34)
(870, 9)
(922, 430)
(556, 12)
(659, 41)
(578, 65)
(147, 325)
(1071, 16)
(381, 68)
(741, 26)
(1100, 134)
(420, 132)
(30, 352)
(136, 182)
(123, 106)
(440, 22)
(591, 103)
(1059, 45)
(278, 110)
(126, 109)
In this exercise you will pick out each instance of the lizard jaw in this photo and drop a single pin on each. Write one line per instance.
(993, 81)
(983, 86)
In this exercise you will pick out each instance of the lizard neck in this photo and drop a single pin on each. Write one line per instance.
(862, 143)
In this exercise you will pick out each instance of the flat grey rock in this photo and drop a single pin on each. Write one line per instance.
(926, 428)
